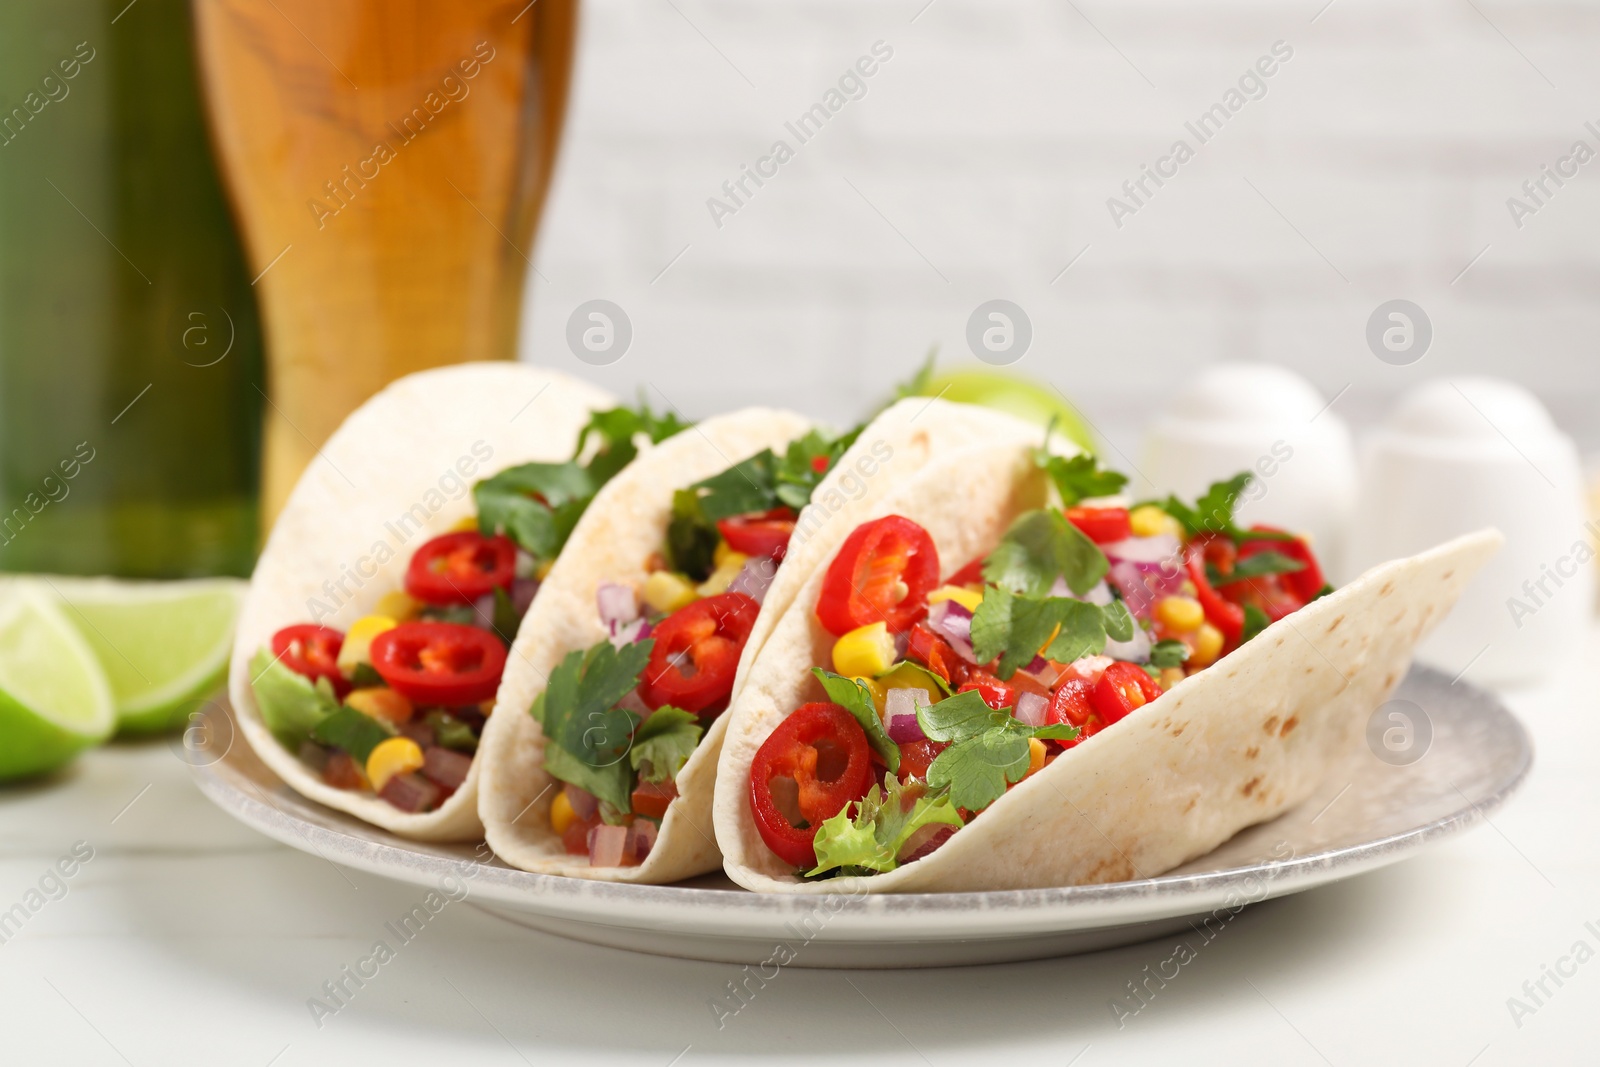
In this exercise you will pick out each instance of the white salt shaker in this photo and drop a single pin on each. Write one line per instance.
(1276, 425)
(1458, 455)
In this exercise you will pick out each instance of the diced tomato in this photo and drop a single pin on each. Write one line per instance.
(915, 756)
(1121, 689)
(696, 654)
(1101, 525)
(460, 567)
(804, 773)
(575, 838)
(882, 573)
(933, 652)
(440, 664)
(764, 533)
(1070, 706)
(997, 694)
(651, 799)
(312, 651)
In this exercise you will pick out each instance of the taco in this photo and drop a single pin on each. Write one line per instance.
(599, 759)
(1006, 678)
(374, 634)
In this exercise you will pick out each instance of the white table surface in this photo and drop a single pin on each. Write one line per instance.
(191, 939)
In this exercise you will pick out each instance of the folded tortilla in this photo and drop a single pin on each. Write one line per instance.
(1236, 744)
(627, 522)
(399, 471)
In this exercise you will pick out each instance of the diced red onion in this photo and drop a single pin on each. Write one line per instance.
(900, 714)
(445, 767)
(953, 622)
(584, 804)
(1030, 709)
(631, 633)
(483, 612)
(607, 845)
(635, 703)
(924, 841)
(410, 792)
(618, 604)
(641, 839)
(1157, 549)
(419, 731)
(1089, 668)
(1136, 650)
(1143, 584)
(522, 590)
(755, 578)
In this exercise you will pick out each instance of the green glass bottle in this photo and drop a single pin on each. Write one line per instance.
(130, 346)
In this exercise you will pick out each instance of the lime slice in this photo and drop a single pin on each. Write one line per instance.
(1014, 394)
(54, 699)
(163, 645)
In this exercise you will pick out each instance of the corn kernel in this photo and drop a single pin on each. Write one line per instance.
(542, 571)
(1151, 521)
(1170, 676)
(468, 522)
(727, 570)
(867, 650)
(720, 553)
(398, 606)
(357, 647)
(667, 592)
(1035, 756)
(397, 755)
(562, 813)
(1180, 614)
(1207, 646)
(381, 702)
(967, 598)
(876, 688)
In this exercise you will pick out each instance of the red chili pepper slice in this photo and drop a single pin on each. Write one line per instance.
(1220, 612)
(970, 576)
(458, 568)
(696, 654)
(1121, 689)
(764, 533)
(1101, 525)
(804, 773)
(1070, 705)
(312, 651)
(440, 664)
(882, 573)
(1304, 583)
(995, 693)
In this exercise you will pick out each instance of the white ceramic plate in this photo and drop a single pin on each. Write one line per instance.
(1368, 814)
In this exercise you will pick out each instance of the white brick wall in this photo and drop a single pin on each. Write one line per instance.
(991, 141)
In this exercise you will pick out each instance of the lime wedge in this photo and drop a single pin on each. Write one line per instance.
(1015, 394)
(163, 645)
(54, 699)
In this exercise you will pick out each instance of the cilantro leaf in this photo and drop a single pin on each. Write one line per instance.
(692, 539)
(1078, 477)
(978, 769)
(1059, 731)
(920, 381)
(1213, 512)
(857, 700)
(1118, 620)
(798, 475)
(1257, 566)
(1255, 620)
(960, 717)
(615, 430)
(1039, 547)
(747, 486)
(1016, 628)
(884, 821)
(289, 703)
(353, 732)
(1169, 653)
(663, 743)
(451, 732)
(506, 620)
(587, 735)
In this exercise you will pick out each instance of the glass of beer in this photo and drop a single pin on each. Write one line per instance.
(388, 160)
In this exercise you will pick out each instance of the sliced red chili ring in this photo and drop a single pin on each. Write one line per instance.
(696, 654)
(460, 567)
(882, 572)
(440, 664)
(312, 651)
(764, 533)
(1121, 689)
(1101, 525)
(804, 773)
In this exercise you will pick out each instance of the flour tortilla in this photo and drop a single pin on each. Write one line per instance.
(396, 473)
(626, 523)
(1235, 745)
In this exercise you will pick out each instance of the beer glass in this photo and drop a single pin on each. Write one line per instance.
(388, 160)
